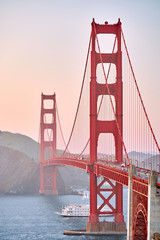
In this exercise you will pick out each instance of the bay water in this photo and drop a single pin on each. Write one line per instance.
(36, 218)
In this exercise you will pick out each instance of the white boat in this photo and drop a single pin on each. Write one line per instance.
(76, 210)
(85, 195)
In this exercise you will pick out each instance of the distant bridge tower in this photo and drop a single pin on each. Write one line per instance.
(97, 127)
(48, 144)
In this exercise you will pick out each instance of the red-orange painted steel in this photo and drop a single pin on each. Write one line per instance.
(97, 127)
(140, 186)
(48, 146)
(94, 168)
(140, 219)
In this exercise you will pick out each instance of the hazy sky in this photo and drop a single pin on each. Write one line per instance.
(43, 48)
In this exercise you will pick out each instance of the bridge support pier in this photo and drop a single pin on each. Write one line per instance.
(132, 172)
(48, 145)
(153, 207)
(107, 126)
(48, 181)
(143, 217)
(107, 227)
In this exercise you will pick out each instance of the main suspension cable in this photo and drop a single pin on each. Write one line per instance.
(79, 97)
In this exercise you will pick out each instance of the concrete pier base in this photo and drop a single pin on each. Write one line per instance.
(132, 172)
(83, 232)
(49, 192)
(153, 207)
(153, 210)
(111, 227)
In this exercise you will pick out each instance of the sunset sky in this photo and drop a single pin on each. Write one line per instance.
(43, 47)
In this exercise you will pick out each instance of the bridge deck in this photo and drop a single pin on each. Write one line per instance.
(113, 171)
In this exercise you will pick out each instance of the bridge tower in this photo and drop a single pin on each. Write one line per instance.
(48, 144)
(97, 127)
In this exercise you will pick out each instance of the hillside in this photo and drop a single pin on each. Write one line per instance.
(21, 143)
(19, 172)
(74, 177)
(155, 160)
(139, 155)
(20, 175)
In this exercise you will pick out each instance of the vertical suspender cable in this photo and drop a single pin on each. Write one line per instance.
(140, 94)
(61, 129)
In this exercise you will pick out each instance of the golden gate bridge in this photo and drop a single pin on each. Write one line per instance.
(116, 115)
